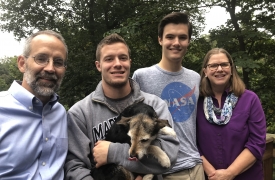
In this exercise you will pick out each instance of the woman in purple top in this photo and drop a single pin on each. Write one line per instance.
(231, 126)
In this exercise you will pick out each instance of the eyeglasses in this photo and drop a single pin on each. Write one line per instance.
(43, 60)
(214, 66)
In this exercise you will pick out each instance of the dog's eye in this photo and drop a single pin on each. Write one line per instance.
(144, 140)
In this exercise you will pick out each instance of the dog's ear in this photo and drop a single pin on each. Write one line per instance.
(161, 123)
(124, 121)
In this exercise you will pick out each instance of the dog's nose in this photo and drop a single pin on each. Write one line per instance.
(134, 155)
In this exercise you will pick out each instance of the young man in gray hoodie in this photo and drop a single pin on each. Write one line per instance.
(90, 118)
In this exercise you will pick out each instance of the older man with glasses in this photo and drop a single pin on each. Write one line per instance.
(33, 125)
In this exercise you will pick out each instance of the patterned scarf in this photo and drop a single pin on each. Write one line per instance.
(225, 113)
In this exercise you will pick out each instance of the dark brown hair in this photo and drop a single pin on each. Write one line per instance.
(175, 18)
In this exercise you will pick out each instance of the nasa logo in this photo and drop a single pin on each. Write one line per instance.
(180, 99)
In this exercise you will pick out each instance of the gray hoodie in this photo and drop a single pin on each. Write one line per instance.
(88, 121)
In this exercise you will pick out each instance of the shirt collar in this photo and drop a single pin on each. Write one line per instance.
(26, 98)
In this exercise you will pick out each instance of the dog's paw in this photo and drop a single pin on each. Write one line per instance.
(168, 131)
(148, 177)
(160, 155)
(165, 162)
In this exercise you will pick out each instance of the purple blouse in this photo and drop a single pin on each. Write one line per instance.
(221, 144)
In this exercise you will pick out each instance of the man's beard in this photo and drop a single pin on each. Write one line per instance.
(115, 84)
(118, 84)
(42, 88)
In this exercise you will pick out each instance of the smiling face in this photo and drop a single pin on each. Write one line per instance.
(174, 42)
(114, 65)
(219, 78)
(43, 81)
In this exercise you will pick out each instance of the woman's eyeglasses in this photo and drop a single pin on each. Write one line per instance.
(214, 66)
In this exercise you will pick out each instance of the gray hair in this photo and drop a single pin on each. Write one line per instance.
(27, 46)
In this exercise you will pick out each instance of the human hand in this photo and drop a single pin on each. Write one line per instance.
(221, 174)
(100, 153)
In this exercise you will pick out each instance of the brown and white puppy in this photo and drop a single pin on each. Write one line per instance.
(142, 131)
(138, 125)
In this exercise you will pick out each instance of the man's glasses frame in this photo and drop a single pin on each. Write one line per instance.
(43, 60)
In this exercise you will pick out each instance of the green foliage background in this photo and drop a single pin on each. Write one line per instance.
(248, 35)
